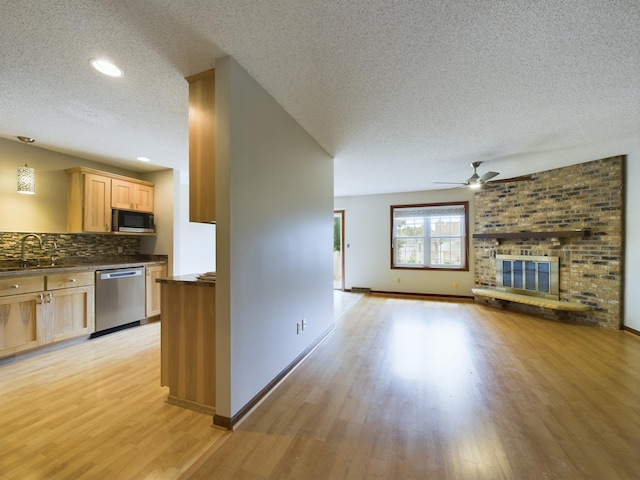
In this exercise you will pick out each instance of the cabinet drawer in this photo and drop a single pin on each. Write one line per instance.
(70, 280)
(17, 285)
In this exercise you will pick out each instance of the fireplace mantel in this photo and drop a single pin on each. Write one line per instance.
(553, 236)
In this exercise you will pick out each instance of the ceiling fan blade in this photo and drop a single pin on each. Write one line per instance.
(488, 176)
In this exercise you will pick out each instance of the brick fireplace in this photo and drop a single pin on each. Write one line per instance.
(586, 197)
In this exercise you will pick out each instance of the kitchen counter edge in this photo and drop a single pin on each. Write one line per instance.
(77, 267)
(189, 279)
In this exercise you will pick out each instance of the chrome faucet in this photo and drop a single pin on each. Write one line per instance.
(23, 256)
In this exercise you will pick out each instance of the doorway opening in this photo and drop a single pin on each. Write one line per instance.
(338, 249)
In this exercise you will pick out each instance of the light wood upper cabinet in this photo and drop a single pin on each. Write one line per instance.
(89, 202)
(202, 142)
(129, 195)
(97, 203)
(89, 206)
(122, 195)
(144, 198)
(92, 195)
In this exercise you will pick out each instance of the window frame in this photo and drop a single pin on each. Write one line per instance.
(465, 237)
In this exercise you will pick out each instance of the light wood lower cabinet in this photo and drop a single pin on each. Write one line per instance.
(22, 323)
(22, 314)
(153, 304)
(59, 307)
(70, 305)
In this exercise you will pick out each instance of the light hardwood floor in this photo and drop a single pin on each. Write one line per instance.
(96, 410)
(411, 388)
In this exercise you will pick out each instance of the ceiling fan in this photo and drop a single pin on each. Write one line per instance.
(475, 180)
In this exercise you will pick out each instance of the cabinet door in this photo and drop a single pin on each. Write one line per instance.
(152, 304)
(22, 323)
(70, 313)
(144, 198)
(97, 203)
(131, 196)
(122, 194)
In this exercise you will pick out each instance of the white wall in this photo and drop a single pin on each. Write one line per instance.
(162, 244)
(368, 245)
(632, 241)
(274, 198)
(195, 243)
(190, 247)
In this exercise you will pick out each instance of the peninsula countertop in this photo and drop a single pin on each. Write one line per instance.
(188, 279)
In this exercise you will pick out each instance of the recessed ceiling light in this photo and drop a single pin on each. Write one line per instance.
(106, 67)
(143, 159)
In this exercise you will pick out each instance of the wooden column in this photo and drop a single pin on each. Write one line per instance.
(202, 143)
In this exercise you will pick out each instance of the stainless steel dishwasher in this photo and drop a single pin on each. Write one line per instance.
(120, 296)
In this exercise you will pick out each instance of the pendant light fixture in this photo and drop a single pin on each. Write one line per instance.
(26, 174)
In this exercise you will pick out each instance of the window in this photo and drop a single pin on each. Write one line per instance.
(432, 236)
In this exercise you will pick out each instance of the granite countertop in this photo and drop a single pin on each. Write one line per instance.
(10, 269)
(190, 279)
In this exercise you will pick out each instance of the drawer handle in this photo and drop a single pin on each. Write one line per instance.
(40, 299)
(72, 279)
(15, 286)
(49, 297)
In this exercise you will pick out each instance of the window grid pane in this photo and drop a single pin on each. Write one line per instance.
(409, 251)
(440, 228)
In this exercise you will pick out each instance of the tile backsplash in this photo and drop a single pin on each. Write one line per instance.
(66, 247)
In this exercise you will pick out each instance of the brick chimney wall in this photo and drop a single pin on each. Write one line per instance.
(586, 196)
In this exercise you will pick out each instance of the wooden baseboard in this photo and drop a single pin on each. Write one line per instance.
(229, 423)
(423, 295)
(631, 330)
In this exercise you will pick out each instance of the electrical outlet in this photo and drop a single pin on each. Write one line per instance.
(397, 279)
(456, 284)
(120, 250)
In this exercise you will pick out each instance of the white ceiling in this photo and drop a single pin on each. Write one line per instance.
(401, 93)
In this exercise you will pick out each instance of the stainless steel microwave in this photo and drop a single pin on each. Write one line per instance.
(133, 222)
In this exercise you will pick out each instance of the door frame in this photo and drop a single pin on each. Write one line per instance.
(340, 213)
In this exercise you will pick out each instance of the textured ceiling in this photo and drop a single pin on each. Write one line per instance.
(401, 93)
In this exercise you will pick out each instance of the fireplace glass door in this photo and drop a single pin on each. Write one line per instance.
(528, 274)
